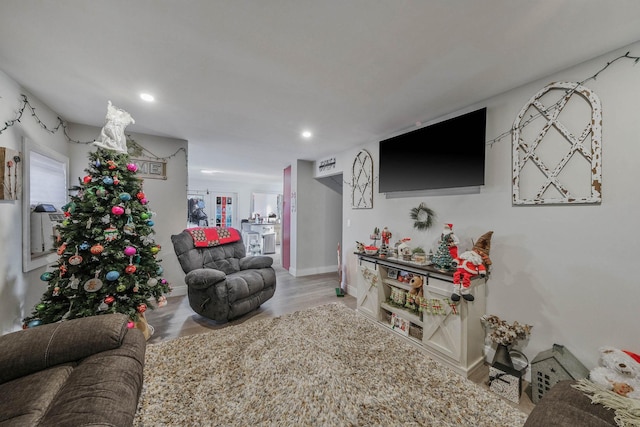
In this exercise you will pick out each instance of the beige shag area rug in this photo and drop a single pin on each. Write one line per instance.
(325, 366)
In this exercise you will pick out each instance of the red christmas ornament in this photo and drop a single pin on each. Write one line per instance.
(109, 299)
(116, 181)
(96, 249)
(130, 269)
(140, 195)
(86, 179)
(62, 248)
(142, 308)
(112, 164)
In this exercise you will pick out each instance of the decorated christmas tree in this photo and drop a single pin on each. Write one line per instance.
(442, 259)
(107, 256)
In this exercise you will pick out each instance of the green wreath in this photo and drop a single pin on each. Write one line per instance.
(422, 217)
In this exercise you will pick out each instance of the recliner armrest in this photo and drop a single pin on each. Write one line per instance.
(202, 278)
(31, 350)
(256, 261)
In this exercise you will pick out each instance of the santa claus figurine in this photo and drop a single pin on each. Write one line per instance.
(451, 239)
(470, 264)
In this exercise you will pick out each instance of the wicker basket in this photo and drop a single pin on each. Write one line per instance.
(415, 332)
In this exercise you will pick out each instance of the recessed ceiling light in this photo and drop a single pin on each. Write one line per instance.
(306, 134)
(208, 171)
(147, 97)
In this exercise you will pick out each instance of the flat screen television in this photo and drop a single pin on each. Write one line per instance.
(447, 154)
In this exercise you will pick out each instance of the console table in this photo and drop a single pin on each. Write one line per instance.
(451, 333)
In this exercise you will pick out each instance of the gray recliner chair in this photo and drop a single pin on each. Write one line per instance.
(223, 283)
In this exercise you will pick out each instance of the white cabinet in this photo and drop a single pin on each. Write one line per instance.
(451, 333)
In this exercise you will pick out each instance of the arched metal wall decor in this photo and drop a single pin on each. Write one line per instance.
(362, 181)
(574, 157)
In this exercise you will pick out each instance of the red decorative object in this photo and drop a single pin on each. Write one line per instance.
(142, 308)
(86, 179)
(97, 249)
(109, 300)
(130, 269)
(140, 195)
(204, 237)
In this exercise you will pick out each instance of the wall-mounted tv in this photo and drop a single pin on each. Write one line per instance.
(448, 154)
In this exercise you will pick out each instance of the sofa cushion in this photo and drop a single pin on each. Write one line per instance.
(24, 401)
(104, 388)
(225, 257)
(248, 282)
(563, 406)
(31, 350)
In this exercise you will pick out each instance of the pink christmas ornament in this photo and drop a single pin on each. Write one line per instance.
(144, 201)
(117, 210)
(130, 251)
(132, 167)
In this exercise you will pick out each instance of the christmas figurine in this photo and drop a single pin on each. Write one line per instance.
(469, 265)
(451, 239)
(112, 135)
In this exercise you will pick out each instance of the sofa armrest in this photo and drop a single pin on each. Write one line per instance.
(202, 278)
(256, 261)
(31, 350)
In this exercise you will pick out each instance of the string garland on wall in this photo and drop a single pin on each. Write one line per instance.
(523, 124)
(568, 93)
(133, 147)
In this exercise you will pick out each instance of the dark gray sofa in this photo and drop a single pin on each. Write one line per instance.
(222, 282)
(564, 406)
(80, 372)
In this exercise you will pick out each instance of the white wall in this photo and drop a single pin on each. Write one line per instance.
(20, 291)
(558, 268)
(316, 224)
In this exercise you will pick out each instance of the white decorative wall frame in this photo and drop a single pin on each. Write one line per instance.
(551, 165)
(362, 181)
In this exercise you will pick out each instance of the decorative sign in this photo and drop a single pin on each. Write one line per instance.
(155, 169)
(327, 164)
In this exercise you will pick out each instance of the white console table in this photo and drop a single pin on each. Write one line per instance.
(454, 337)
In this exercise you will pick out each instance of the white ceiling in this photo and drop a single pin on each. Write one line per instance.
(240, 79)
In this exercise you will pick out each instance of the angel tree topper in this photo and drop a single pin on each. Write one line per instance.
(112, 134)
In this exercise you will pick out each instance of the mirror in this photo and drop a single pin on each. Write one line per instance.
(45, 178)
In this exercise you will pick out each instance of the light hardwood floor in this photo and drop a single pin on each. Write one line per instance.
(177, 318)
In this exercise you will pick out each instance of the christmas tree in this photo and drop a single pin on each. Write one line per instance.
(107, 257)
(442, 259)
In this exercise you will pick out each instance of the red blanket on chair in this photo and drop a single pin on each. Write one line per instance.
(205, 237)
